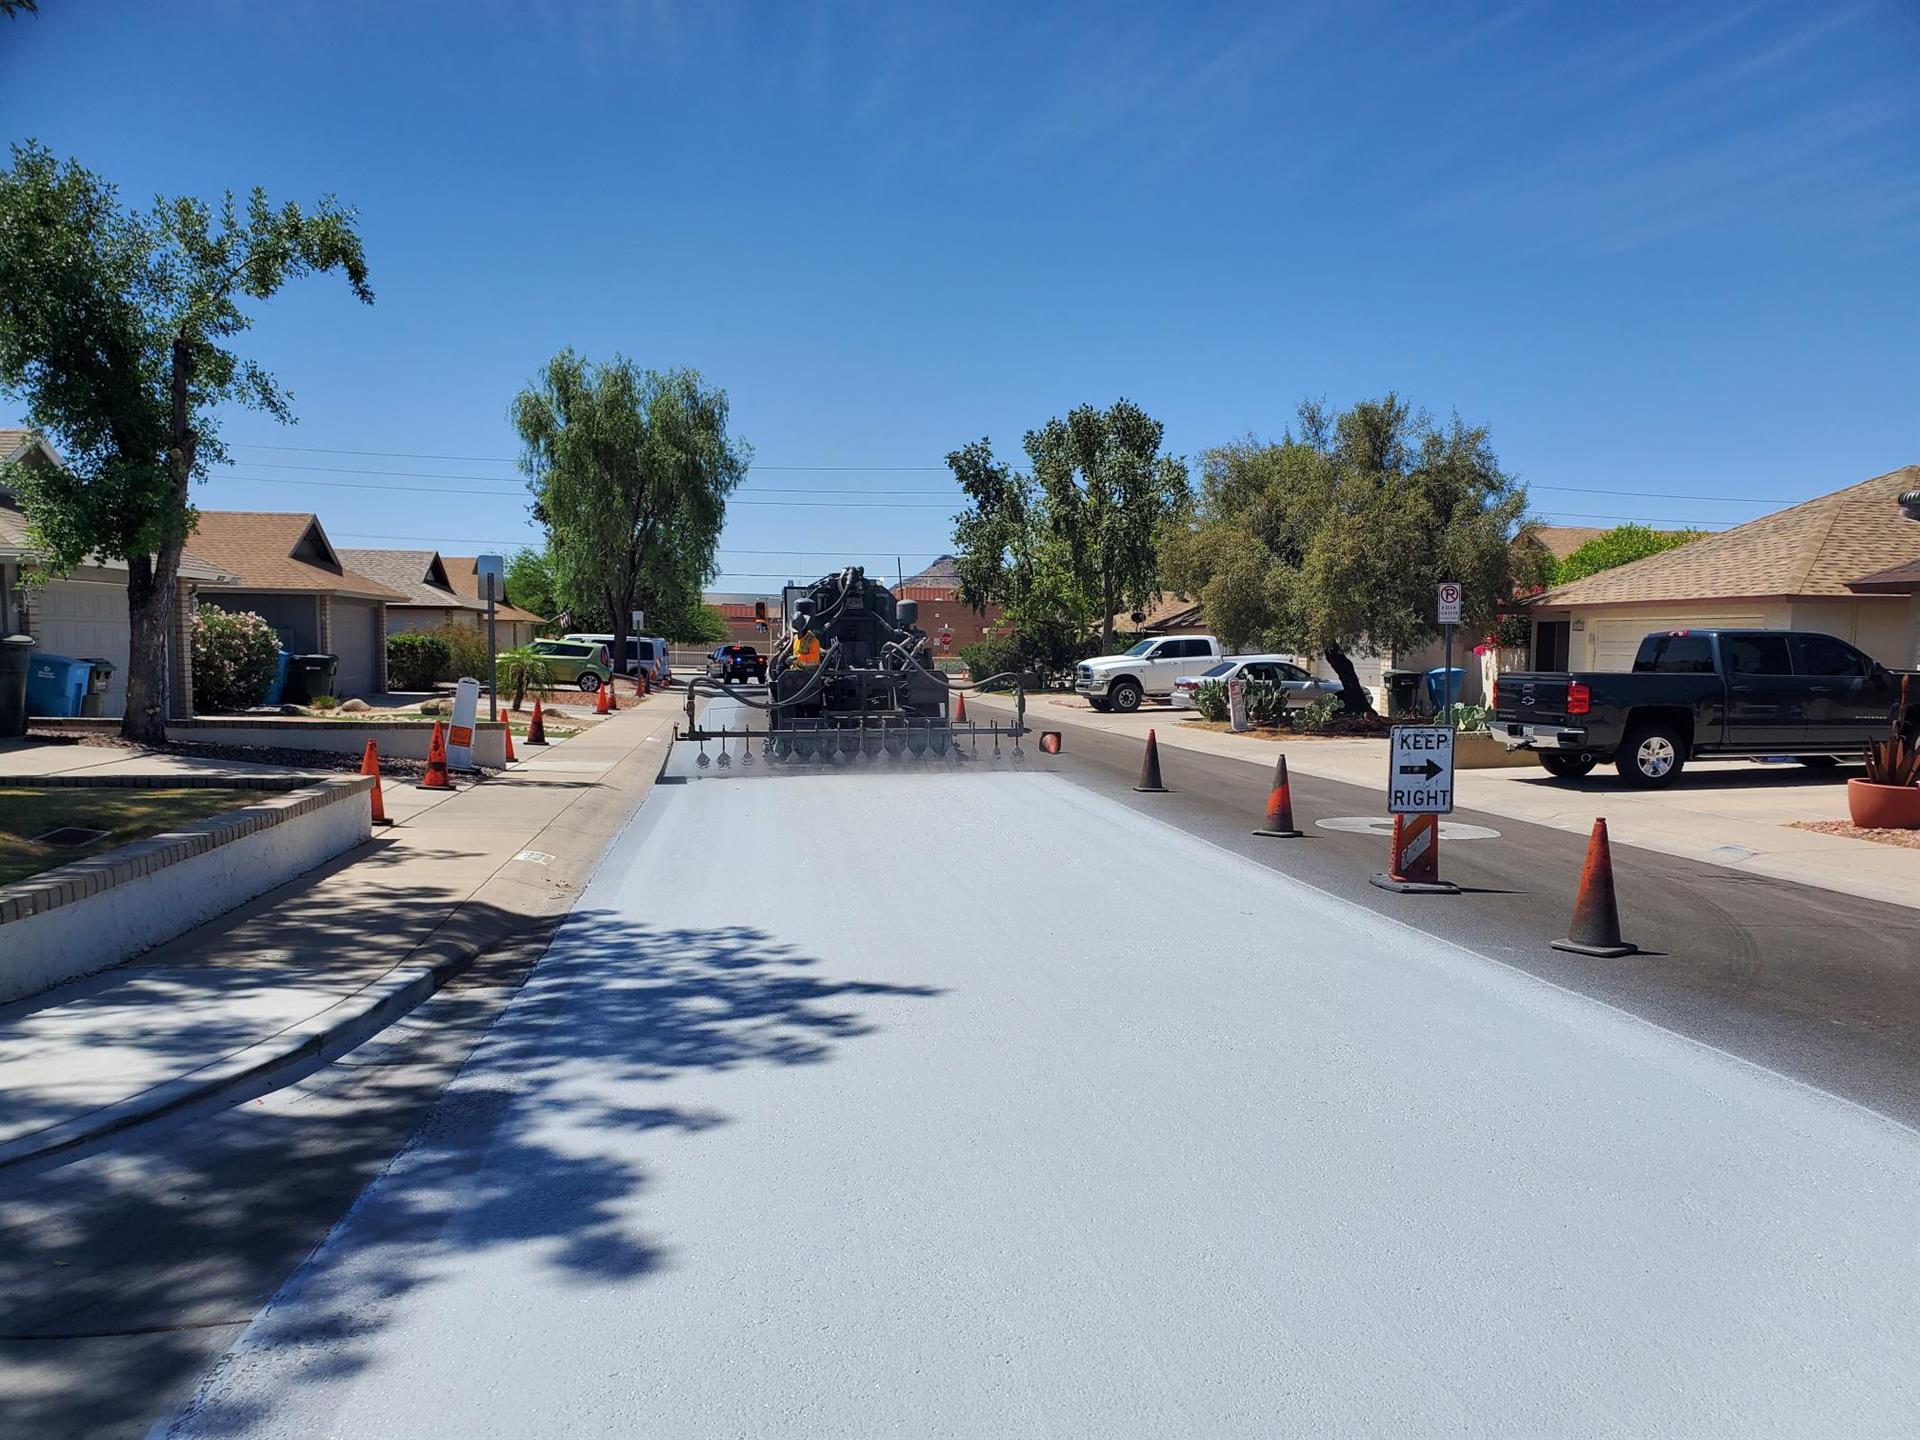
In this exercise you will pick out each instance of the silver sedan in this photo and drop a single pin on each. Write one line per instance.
(1302, 688)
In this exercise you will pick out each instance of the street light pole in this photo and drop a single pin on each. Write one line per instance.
(493, 676)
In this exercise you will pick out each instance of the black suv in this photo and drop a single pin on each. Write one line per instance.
(737, 664)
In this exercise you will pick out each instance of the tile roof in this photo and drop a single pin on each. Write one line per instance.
(259, 547)
(1814, 548)
(419, 575)
(464, 572)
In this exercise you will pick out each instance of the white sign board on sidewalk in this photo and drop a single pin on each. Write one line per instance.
(466, 704)
(1449, 602)
(1237, 705)
(1420, 770)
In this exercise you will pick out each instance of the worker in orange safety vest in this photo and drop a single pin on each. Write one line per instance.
(806, 644)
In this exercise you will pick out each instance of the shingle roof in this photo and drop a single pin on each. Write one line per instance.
(11, 439)
(1562, 540)
(1899, 580)
(464, 572)
(258, 546)
(419, 575)
(1169, 611)
(1814, 548)
(15, 542)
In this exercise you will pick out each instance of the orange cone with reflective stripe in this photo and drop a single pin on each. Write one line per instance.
(1415, 866)
(510, 754)
(960, 709)
(436, 777)
(370, 765)
(537, 727)
(600, 699)
(1150, 767)
(1596, 913)
(1280, 805)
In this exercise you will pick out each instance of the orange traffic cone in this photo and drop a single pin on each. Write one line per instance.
(1280, 805)
(960, 709)
(1150, 768)
(600, 699)
(1596, 914)
(510, 755)
(1415, 866)
(640, 686)
(612, 693)
(537, 727)
(436, 777)
(370, 765)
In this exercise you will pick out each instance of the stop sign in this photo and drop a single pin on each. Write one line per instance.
(946, 639)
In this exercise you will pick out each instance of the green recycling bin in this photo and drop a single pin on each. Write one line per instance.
(15, 651)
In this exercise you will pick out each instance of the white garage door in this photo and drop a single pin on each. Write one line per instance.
(357, 640)
(86, 620)
(1616, 642)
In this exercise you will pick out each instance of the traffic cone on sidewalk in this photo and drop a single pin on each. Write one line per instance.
(1414, 868)
(537, 727)
(510, 755)
(1596, 914)
(600, 698)
(370, 765)
(436, 777)
(959, 709)
(1279, 805)
(1150, 768)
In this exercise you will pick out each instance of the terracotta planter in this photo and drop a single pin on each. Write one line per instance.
(1883, 807)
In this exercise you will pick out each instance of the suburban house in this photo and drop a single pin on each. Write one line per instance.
(1834, 565)
(512, 626)
(936, 590)
(290, 575)
(84, 615)
(421, 576)
(1169, 614)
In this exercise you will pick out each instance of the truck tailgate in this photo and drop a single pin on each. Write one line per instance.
(1531, 695)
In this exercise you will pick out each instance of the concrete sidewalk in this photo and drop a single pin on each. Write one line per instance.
(1729, 813)
(308, 971)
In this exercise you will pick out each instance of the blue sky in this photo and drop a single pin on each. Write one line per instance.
(1666, 251)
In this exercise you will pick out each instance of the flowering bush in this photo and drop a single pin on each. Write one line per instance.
(236, 656)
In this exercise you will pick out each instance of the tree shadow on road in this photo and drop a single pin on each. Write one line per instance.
(122, 1274)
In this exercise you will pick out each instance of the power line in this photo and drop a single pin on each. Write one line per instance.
(946, 505)
(511, 460)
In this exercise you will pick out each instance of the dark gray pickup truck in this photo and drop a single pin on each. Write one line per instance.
(1708, 693)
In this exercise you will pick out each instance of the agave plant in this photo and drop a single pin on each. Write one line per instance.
(1893, 761)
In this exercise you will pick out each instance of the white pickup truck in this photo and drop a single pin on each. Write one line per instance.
(1121, 682)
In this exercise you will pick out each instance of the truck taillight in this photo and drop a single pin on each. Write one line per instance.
(1499, 700)
(1579, 699)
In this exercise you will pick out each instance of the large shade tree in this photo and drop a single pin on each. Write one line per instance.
(1334, 539)
(1073, 542)
(630, 471)
(114, 331)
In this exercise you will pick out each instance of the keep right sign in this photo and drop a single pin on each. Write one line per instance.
(1420, 770)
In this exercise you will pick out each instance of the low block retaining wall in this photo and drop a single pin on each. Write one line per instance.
(400, 739)
(97, 912)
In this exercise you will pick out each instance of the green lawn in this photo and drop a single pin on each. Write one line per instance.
(126, 814)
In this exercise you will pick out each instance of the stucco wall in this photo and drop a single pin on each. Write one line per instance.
(1881, 627)
(126, 901)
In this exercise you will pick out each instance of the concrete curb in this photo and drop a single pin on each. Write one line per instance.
(318, 1040)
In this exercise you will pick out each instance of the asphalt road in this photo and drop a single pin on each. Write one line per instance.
(1156, 1140)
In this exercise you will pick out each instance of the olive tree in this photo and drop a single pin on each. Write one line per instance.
(1335, 538)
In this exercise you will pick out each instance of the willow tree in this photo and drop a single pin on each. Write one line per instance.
(114, 326)
(630, 471)
(1335, 539)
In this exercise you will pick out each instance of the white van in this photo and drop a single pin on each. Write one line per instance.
(646, 653)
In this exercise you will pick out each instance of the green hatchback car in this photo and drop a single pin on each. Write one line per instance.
(576, 662)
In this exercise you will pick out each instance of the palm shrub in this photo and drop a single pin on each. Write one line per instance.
(415, 659)
(522, 669)
(236, 656)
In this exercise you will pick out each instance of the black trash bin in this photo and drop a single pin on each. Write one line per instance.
(310, 676)
(1403, 691)
(16, 652)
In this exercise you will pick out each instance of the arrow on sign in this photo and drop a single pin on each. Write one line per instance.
(1427, 770)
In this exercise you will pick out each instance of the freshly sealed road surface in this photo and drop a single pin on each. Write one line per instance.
(886, 1102)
